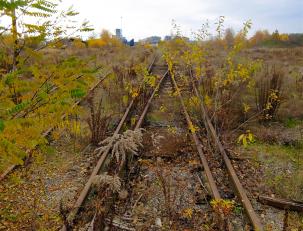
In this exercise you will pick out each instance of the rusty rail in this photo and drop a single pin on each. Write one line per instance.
(231, 171)
(213, 187)
(86, 189)
(48, 131)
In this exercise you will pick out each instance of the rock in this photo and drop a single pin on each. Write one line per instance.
(158, 222)
(75, 168)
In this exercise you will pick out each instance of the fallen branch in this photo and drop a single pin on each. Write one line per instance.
(282, 203)
(136, 202)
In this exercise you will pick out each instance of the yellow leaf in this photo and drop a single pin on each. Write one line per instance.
(241, 138)
(193, 128)
(163, 108)
(250, 137)
(207, 100)
(133, 121)
(135, 94)
(246, 107)
(188, 213)
(125, 99)
(244, 140)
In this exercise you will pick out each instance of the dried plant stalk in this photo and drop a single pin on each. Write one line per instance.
(111, 182)
(122, 144)
(98, 123)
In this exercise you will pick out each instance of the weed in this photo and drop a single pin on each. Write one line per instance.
(15, 179)
(238, 209)
(269, 92)
(292, 122)
(98, 122)
(246, 138)
(223, 209)
(121, 145)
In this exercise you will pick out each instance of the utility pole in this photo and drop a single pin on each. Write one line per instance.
(121, 22)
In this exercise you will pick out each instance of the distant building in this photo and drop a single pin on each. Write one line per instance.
(168, 37)
(119, 33)
(120, 36)
(154, 40)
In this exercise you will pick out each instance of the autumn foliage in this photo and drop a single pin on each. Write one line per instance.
(106, 39)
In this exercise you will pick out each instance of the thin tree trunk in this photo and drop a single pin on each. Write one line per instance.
(15, 37)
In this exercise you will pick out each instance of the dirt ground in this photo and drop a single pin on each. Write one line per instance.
(30, 197)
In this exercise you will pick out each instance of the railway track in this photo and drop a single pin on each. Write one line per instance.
(168, 174)
(152, 163)
(237, 186)
(100, 163)
(162, 72)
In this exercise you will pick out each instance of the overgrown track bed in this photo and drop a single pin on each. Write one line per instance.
(104, 159)
(165, 161)
(163, 188)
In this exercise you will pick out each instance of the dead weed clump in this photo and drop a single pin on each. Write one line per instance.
(122, 146)
(98, 122)
(108, 187)
(269, 92)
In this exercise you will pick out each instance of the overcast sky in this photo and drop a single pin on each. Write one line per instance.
(142, 18)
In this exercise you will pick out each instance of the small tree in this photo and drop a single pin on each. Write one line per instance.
(36, 90)
(275, 35)
(259, 37)
(229, 37)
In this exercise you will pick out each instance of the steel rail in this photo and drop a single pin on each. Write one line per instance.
(87, 187)
(213, 187)
(230, 169)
